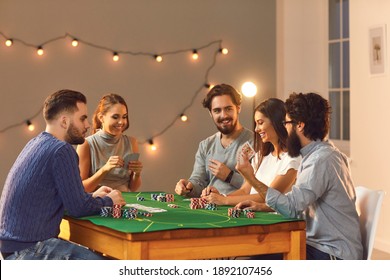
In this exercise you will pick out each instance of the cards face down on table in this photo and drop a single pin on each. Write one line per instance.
(145, 208)
(248, 150)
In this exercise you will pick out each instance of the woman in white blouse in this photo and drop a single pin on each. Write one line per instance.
(271, 163)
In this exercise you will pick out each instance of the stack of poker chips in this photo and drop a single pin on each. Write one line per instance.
(249, 213)
(130, 213)
(116, 211)
(234, 213)
(127, 213)
(197, 203)
(162, 197)
(159, 197)
(140, 198)
(170, 197)
(210, 206)
(202, 203)
(106, 211)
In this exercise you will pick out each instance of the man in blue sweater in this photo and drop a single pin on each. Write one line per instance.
(45, 181)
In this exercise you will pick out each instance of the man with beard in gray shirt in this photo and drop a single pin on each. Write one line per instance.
(216, 157)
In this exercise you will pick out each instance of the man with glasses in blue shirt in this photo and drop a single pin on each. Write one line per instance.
(323, 194)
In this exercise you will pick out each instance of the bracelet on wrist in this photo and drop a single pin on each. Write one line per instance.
(229, 177)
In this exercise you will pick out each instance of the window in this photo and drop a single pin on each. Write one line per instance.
(338, 72)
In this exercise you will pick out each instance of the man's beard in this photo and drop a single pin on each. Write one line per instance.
(227, 129)
(73, 136)
(293, 144)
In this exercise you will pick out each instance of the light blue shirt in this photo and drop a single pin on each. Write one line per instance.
(324, 196)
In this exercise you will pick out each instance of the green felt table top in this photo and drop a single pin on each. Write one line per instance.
(179, 218)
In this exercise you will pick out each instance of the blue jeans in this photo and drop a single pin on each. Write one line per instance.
(315, 254)
(55, 249)
(311, 254)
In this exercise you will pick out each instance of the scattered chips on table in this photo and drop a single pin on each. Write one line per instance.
(173, 205)
(146, 214)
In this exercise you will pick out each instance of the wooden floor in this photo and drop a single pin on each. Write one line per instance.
(380, 255)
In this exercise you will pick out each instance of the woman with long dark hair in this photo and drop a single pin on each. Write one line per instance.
(271, 163)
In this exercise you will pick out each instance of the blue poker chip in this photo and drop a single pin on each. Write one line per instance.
(106, 211)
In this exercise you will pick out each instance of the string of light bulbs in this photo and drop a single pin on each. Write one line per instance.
(27, 122)
(76, 41)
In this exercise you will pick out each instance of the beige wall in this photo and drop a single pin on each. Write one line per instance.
(301, 52)
(156, 93)
(302, 66)
(370, 101)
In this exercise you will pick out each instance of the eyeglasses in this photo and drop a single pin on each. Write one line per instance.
(286, 122)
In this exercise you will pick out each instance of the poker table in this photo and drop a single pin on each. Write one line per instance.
(185, 233)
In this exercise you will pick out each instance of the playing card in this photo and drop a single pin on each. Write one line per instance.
(248, 149)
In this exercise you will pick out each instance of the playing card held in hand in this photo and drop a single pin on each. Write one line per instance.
(248, 150)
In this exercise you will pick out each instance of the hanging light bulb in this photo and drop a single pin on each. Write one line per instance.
(158, 58)
(152, 146)
(195, 55)
(115, 56)
(75, 42)
(249, 89)
(40, 51)
(30, 126)
(183, 117)
(9, 42)
(224, 51)
(208, 86)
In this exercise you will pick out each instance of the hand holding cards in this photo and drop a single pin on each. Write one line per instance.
(133, 164)
(130, 157)
(244, 155)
